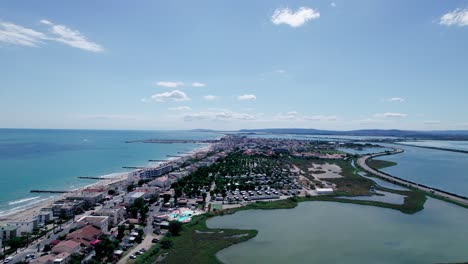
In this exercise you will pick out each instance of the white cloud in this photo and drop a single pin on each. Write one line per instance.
(247, 97)
(71, 37)
(180, 108)
(458, 17)
(169, 84)
(18, 35)
(333, 4)
(280, 71)
(396, 99)
(294, 19)
(432, 122)
(391, 115)
(225, 115)
(321, 118)
(210, 97)
(295, 116)
(175, 95)
(198, 84)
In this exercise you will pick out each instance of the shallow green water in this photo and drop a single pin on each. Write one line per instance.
(326, 232)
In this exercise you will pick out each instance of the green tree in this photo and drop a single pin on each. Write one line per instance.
(76, 258)
(121, 232)
(166, 197)
(15, 243)
(175, 227)
(130, 187)
(166, 243)
(47, 248)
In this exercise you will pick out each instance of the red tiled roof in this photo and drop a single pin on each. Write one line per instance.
(85, 235)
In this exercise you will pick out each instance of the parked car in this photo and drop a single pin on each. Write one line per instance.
(8, 259)
(155, 240)
(132, 257)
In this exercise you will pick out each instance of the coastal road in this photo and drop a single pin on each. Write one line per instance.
(362, 161)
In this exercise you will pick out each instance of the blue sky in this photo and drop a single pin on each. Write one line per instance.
(234, 64)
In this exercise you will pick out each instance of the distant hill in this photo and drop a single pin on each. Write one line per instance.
(437, 134)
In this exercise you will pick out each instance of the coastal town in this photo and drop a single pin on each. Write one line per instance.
(127, 218)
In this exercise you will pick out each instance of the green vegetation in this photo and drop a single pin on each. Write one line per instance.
(139, 206)
(380, 164)
(175, 227)
(199, 244)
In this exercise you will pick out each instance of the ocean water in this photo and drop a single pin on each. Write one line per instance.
(53, 159)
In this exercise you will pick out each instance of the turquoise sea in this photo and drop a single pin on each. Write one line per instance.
(53, 159)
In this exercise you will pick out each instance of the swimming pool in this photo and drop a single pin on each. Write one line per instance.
(183, 216)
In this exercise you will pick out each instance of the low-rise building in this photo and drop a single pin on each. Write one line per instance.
(85, 236)
(163, 182)
(66, 208)
(115, 214)
(68, 246)
(8, 232)
(61, 258)
(45, 216)
(89, 197)
(324, 190)
(155, 172)
(132, 196)
(101, 222)
(25, 226)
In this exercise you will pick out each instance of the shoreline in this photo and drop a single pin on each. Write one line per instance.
(31, 210)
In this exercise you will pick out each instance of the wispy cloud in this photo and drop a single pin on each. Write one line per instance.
(296, 116)
(180, 108)
(18, 35)
(432, 122)
(198, 84)
(71, 37)
(169, 84)
(210, 97)
(458, 17)
(294, 19)
(225, 115)
(391, 115)
(175, 95)
(247, 97)
(395, 99)
(333, 4)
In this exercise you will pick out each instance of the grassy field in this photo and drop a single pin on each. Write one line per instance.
(380, 164)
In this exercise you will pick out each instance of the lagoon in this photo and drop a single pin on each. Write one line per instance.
(439, 169)
(328, 232)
